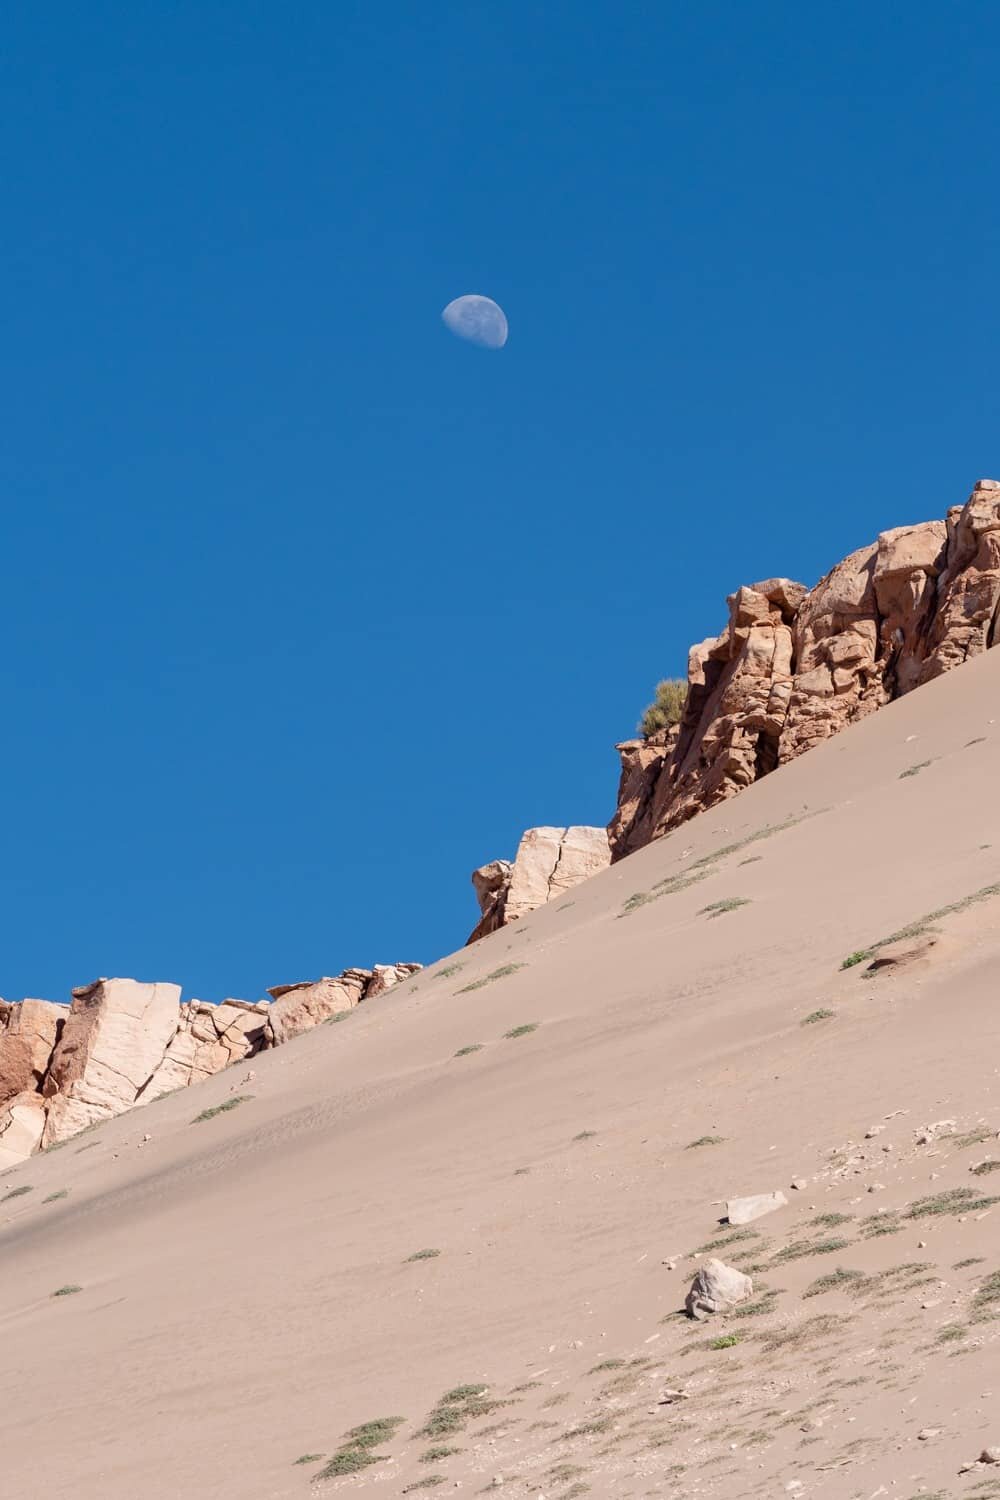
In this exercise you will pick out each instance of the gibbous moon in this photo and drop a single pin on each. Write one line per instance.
(477, 319)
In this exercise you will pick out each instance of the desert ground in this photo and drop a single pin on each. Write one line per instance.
(477, 1205)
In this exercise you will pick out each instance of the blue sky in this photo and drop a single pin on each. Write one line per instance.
(309, 607)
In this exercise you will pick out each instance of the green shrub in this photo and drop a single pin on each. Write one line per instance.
(667, 707)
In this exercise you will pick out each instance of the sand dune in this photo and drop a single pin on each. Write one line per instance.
(247, 1292)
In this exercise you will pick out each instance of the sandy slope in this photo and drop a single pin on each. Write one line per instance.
(246, 1293)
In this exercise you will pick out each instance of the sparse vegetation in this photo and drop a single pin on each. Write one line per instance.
(830, 1221)
(501, 973)
(589, 1428)
(430, 1483)
(563, 1473)
(702, 868)
(435, 1454)
(724, 1341)
(922, 924)
(54, 1197)
(349, 1460)
(637, 899)
(523, 1030)
(950, 1333)
(422, 1255)
(830, 1283)
(67, 1290)
(705, 1140)
(915, 770)
(798, 1334)
(472, 1047)
(724, 1241)
(951, 1201)
(876, 1225)
(986, 1167)
(588, 1135)
(758, 1307)
(667, 707)
(355, 1452)
(823, 1014)
(373, 1434)
(970, 1260)
(986, 1302)
(801, 1249)
(728, 903)
(17, 1192)
(457, 1407)
(449, 970)
(223, 1108)
(974, 1137)
(311, 1458)
(607, 1364)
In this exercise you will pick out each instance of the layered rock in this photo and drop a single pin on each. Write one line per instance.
(796, 665)
(549, 862)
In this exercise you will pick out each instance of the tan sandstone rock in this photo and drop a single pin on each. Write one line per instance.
(717, 1287)
(29, 1031)
(745, 1210)
(113, 1040)
(208, 1039)
(549, 862)
(22, 1123)
(298, 1007)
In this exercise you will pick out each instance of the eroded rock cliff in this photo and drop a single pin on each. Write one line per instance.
(796, 665)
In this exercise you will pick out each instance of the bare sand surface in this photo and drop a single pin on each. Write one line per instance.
(248, 1292)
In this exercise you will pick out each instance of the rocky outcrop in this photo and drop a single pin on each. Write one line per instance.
(796, 665)
(549, 862)
(112, 1042)
(298, 1007)
(208, 1038)
(22, 1122)
(29, 1031)
(121, 1044)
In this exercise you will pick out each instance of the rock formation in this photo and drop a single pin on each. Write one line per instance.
(549, 861)
(121, 1044)
(28, 1035)
(297, 1007)
(716, 1288)
(796, 665)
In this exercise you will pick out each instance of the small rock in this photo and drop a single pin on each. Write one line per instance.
(990, 1455)
(921, 1244)
(715, 1288)
(873, 1132)
(800, 1184)
(876, 1187)
(926, 1433)
(745, 1210)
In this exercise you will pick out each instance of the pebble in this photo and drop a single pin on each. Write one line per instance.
(800, 1184)
(926, 1433)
